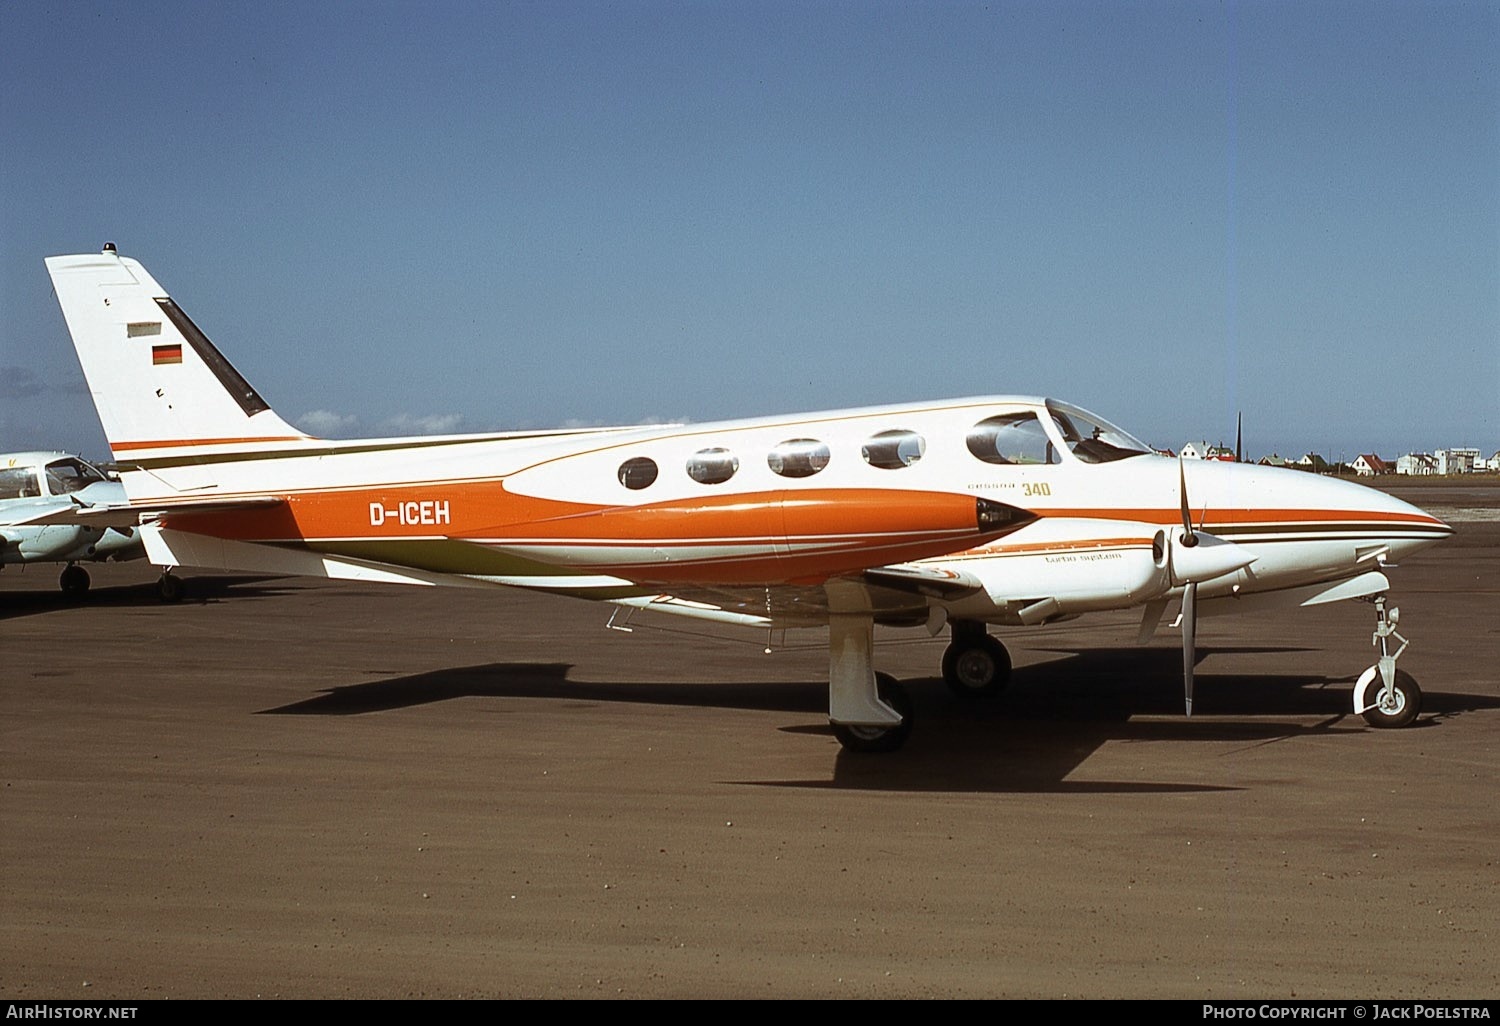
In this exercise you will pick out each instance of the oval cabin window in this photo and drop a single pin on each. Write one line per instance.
(712, 466)
(892, 450)
(638, 473)
(799, 457)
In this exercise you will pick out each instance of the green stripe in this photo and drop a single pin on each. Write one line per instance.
(336, 449)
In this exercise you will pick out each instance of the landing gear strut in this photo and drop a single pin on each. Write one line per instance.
(975, 665)
(868, 711)
(1383, 695)
(864, 739)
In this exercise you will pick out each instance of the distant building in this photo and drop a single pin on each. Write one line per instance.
(1456, 461)
(1204, 451)
(1274, 460)
(1369, 465)
(1416, 464)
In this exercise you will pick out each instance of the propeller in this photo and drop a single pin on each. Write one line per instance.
(1189, 593)
(1196, 556)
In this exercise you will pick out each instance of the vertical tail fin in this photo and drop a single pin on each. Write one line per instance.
(158, 382)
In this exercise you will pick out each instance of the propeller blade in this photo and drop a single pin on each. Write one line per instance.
(1189, 642)
(1150, 617)
(1188, 537)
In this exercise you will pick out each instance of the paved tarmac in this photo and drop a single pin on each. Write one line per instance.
(293, 788)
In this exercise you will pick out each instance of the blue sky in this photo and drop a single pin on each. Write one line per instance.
(398, 218)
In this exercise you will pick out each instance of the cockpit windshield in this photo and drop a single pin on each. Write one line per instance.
(1093, 439)
(67, 476)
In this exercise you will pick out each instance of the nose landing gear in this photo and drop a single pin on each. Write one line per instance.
(1384, 696)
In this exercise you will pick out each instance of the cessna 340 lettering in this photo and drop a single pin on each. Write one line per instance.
(963, 513)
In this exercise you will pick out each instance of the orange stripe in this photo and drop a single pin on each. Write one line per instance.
(487, 510)
(860, 527)
(180, 442)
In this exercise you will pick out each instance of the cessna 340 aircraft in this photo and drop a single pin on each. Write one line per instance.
(962, 513)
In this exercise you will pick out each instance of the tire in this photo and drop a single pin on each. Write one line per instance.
(74, 582)
(874, 740)
(169, 588)
(976, 667)
(1406, 703)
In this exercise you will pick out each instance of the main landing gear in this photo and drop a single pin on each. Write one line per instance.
(169, 586)
(1383, 695)
(866, 739)
(871, 712)
(975, 665)
(74, 582)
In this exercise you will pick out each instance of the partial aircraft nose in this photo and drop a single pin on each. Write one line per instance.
(1312, 506)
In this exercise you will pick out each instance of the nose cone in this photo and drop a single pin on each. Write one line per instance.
(1311, 506)
(1407, 528)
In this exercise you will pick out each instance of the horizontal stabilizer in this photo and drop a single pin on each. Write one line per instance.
(166, 547)
(134, 515)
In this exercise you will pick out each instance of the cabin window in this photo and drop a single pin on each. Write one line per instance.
(1017, 438)
(638, 473)
(892, 450)
(712, 466)
(798, 457)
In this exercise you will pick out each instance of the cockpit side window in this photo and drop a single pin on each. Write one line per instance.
(1017, 438)
(18, 483)
(67, 476)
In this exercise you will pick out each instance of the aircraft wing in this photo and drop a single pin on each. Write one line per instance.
(130, 515)
(897, 595)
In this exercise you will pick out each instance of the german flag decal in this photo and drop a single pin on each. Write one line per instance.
(166, 354)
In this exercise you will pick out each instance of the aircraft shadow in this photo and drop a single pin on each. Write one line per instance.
(547, 680)
(199, 590)
(1029, 740)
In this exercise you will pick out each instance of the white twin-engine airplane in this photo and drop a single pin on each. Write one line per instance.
(963, 513)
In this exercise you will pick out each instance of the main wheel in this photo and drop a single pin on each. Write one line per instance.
(169, 588)
(976, 667)
(879, 739)
(74, 582)
(1398, 709)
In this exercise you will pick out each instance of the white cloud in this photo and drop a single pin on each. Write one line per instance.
(326, 423)
(432, 424)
